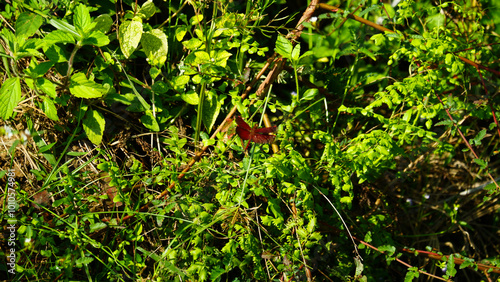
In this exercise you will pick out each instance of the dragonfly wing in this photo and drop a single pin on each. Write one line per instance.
(242, 124)
(266, 130)
(262, 138)
(243, 133)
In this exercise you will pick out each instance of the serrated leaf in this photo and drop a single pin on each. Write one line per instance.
(81, 87)
(284, 47)
(58, 36)
(10, 96)
(155, 45)
(130, 35)
(39, 69)
(96, 38)
(49, 108)
(27, 24)
(103, 23)
(94, 125)
(483, 164)
(82, 20)
(46, 86)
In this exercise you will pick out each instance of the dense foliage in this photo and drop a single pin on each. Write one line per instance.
(121, 161)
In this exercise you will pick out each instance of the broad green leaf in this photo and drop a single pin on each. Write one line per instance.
(82, 21)
(49, 108)
(97, 226)
(27, 24)
(191, 97)
(284, 47)
(96, 38)
(10, 96)
(38, 69)
(192, 43)
(81, 87)
(202, 57)
(103, 23)
(147, 10)
(181, 81)
(211, 109)
(309, 94)
(58, 36)
(46, 86)
(57, 54)
(180, 32)
(221, 58)
(94, 124)
(130, 35)
(150, 121)
(196, 19)
(155, 45)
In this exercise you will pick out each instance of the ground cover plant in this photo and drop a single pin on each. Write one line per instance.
(250, 140)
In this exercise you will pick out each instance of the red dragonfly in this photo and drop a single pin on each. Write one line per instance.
(257, 135)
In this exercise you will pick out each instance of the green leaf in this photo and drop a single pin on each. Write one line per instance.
(296, 53)
(82, 20)
(192, 44)
(49, 108)
(10, 96)
(66, 27)
(103, 23)
(94, 124)
(155, 45)
(27, 24)
(483, 164)
(150, 121)
(147, 10)
(81, 87)
(191, 97)
(130, 34)
(96, 38)
(196, 19)
(97, 226)
(180, 32)
(221, 58)
(38, 69)
(211, 109)
(58, 36)
(477, 140)
(46, 86)
(284, 47)
(310, 94)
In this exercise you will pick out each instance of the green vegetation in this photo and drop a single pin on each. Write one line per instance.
(120, 160)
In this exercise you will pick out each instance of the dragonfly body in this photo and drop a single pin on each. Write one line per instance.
(257, 135)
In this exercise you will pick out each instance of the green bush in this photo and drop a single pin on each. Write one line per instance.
(116, 121)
